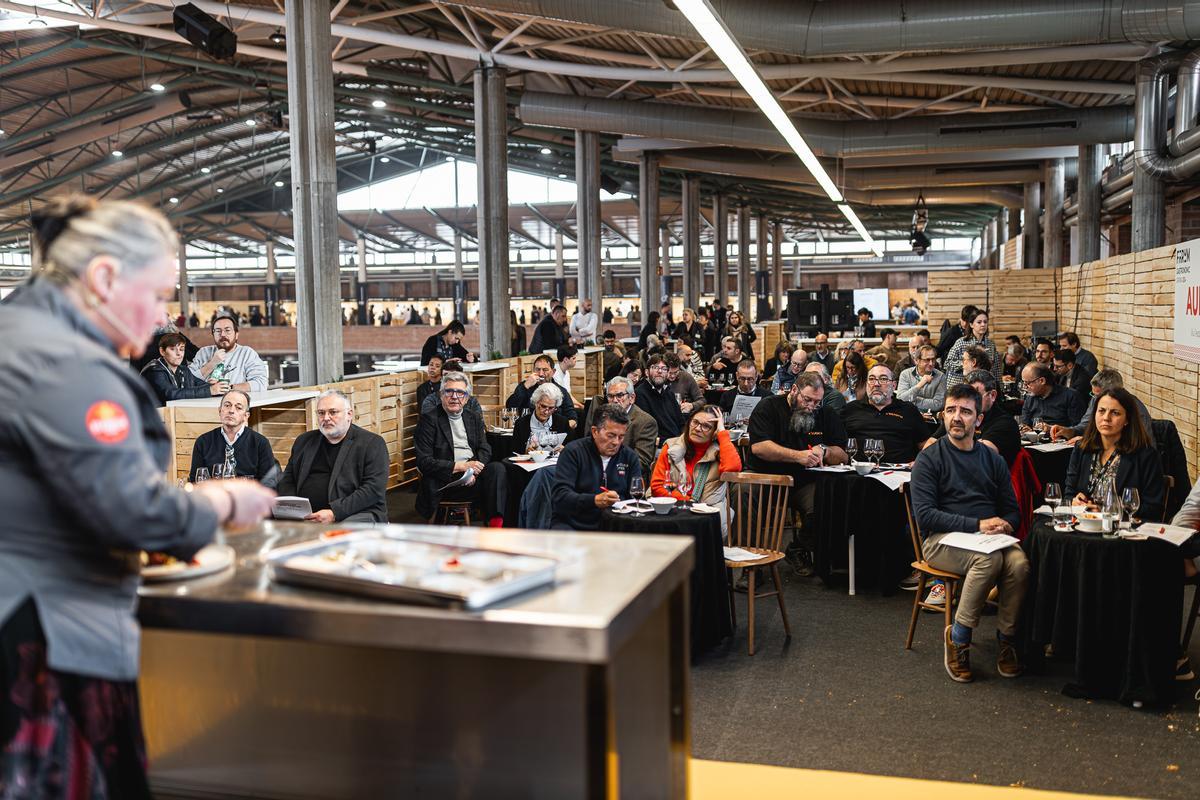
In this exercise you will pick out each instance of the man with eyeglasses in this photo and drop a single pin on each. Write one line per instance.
(747, 386)
(923, 385)
(897, 423)
(543, 372)
(683, 383)
(452, 448)
(341, 468)
(642, 434)
(226, 361)
(235, 446)
(654, 396)
(1047, 401)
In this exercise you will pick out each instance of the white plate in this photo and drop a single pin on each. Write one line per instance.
(213, 558)
(621, 510)
(520, 457)
(705, 508)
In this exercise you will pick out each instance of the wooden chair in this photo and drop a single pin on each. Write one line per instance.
(452, 512)
(756, 508)
(926, 571)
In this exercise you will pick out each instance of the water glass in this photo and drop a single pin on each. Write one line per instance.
(1132, 501)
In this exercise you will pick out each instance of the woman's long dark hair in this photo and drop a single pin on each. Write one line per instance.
(454, 327)
(1134, 437)
(843, 381)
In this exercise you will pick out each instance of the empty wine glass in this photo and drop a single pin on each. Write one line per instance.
(637, 490)
(1132, 500)
(874, 450)
(852, 448)
(201, 475)
(1053, 499)
(685, 488)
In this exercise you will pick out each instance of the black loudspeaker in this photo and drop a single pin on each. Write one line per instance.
(610, 185)
(205, 32)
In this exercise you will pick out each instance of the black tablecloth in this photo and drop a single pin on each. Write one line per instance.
(501, 444)
(709, 584)
(847, 504)
(1051, 467)
(1110, 606)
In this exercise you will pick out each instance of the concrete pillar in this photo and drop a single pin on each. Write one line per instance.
(1014, 224)
(994, 232)
(587, 218)
(360, 284)
(778, 295)
(460, 285)
(491, 160)
(745, 282)
(518, 270)
(1002, 228)
(648, 229)
(1032, 250)
(721, 249)
(271, 290)
(763, 277)
(560, 270)
(1149, 211)
(184, 299)
(1052, 236)
(985, 247)
(314, 193)
(693, 276)
(1089, 197)
(664, 284)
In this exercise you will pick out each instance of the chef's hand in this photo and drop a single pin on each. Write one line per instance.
(607, 498)
(324, 516)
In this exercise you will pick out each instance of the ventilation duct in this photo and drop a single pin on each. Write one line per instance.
(1150, 104)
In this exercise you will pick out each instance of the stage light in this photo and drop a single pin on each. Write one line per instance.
(204, 32)
(157, 87)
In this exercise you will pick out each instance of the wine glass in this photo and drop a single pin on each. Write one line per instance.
(218, 472)
(679, 398)
(637, 490)
(1132, 500)
(874, 450)
(669, 484)
(685, 488)
(1053, 499)
(852, 448)
(201, 475)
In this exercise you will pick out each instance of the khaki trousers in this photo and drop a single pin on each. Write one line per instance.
(1007, 569)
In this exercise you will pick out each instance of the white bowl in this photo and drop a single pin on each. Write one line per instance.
(1092, 523)
(539, 455)
(863, 467)
(662, 505)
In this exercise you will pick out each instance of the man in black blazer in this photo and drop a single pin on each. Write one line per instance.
(451, 442)
(341, 468)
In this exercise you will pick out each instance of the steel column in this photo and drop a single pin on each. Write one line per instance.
(587, 218)
(184, 299)
(491, 163)
(762, 279)
(648, 232)
(1032, 250)
(1052, 236)
(314, 193)
(745, 281)
(720, 249)
(693, 277)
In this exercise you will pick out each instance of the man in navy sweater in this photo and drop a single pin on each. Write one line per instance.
(959, 485)
(594, 472)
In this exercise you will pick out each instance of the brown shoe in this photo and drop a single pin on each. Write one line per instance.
(958, 659)
(1007, 663)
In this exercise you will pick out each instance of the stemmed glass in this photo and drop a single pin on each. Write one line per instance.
(852, 448)
(1053, 499)
(201, 475)
(637, 490)
(1132, 502)
(874, 450)
(669, 484)
(685, 488)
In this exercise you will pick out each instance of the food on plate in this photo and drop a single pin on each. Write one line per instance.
(164, 560)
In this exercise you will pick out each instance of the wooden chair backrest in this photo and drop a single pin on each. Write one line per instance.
(913, 530)
(756, 507)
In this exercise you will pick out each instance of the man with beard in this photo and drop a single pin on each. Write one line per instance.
(584, 324)
(241, 451)
(899, 425)
(923, 385)
(613, 350)
(229, 362)
(723, 368)
(998, 431)
(960, 485)
(654, 396)
(341, 468)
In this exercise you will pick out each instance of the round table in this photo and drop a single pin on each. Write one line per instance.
(848, 505)
(1110, 606)
(709, 582)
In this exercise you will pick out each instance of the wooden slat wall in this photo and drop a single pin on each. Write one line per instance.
(1016, 298)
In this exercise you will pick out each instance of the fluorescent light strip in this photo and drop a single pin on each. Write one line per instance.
(862, 231)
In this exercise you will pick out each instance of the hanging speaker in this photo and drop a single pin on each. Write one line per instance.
(608, 184)
(205, 32)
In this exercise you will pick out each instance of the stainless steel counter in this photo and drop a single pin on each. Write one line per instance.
(256, 689)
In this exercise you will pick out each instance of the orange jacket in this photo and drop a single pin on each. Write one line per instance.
(722, 450)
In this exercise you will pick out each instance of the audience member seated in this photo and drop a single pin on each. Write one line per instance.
(976, 336)
(237, 448)
(642, 435)
(613, 352)
(915, 343)
(543, 372)
(450, 442)
(683, 383)
(881, 416)
(975, 357)
(226, 361)
(341, 468)
(822, 353)
(1070, 374)
(634, 370)
(1009, 341)
(1014, 362)
(833, 399)
(1084, 359)
(1117, 447)
(447, 343)
(1043, 353)
(785, 377)
(951, 335)
(999, 430)
(695, 459)
(850, 377)
(654, 396)
(567, 355)
(887, 353)
(1047, 401)
(432, 386)
(923, 385)
(723, 368)
(691, 361)
(783, 353)
(594, 471)
(959, 485)
(531, 429)
(171, 379)
(1101, 382)
(747, 386)
(549, 333)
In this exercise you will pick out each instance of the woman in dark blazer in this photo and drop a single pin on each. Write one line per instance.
(1117, 445)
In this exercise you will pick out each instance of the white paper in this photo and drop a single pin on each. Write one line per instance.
(738, 554)
(1174, 534)
(290, 507)
(833, 468)
(465, 479)
(893, 479)
(743, 405)
(1051, 447)
(979, 542)
(530, 466)
(1046, 511)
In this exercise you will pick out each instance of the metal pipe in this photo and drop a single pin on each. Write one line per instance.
(1187, 100)
(1149, 148)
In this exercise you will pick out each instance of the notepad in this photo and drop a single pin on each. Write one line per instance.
(979, 542)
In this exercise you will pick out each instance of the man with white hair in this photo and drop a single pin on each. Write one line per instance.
(642, 434)
(450, 442)
(341, 468)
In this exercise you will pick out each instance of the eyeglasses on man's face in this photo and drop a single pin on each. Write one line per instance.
(875, 380)
(455, 393)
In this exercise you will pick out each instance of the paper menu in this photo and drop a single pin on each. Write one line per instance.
(738, 554)
(1051, 447)
(290, 507)
(1168, 533)
(979, 542)
(893, 479)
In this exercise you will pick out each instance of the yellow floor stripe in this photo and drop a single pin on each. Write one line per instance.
(722, 780)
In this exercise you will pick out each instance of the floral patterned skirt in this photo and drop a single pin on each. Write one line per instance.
(64, 736)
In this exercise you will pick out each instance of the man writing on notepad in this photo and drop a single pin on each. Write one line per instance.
(959, 485)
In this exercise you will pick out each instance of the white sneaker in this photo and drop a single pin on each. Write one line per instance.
(936, 596)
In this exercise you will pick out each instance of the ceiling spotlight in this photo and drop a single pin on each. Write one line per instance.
(449, 158)
(385, 160)
(278, 184)
(545, 151)
(174, 201)
(251, 123)
(205, 170)
(220, 190)
(378, 104)
(277, 37)
(562, 174)
(1, 131)
(117, 153)
(157, 87)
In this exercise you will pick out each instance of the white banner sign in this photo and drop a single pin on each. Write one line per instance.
(1187, 301)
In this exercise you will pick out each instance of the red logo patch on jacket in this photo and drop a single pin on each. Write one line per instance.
(107, 422)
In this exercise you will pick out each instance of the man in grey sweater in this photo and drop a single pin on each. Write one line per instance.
(958, 485)
(923, 385)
